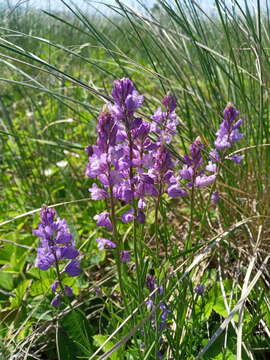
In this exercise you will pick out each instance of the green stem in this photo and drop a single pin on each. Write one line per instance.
(118, 246)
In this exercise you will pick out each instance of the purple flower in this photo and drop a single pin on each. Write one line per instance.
(56, 241)
(228, 132)
(211, 167)
(105, 243)
(127, 101)
(69, 252)
(215, 198)
(128, 216)
(125, 256)
(107, 131)
(186, 172)
(73, 268)
(214, 155)
(97, 193)
(169, 102)
(56, 301)
(164, 123)
(54, 285)
(175, 191)
(199, 289)
(68, 290)
(149, 304)
(164, 315)
(122, 88)
(140, 217)
(204, 180)
(103, 219)
(151, 282)
(236, 158)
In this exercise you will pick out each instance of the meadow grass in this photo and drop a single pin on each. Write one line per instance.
(57, 71)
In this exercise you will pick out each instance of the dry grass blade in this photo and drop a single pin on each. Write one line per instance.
(31, 212)
(241, 312)
(235, 309)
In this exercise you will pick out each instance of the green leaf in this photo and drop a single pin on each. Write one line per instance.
(6, 280)
(100, 339)
(75, 332)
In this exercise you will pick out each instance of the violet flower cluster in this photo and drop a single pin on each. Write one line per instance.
(128, 166)
(195, 170)
(56, 245)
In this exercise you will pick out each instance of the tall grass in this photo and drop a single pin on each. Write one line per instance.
(57, 71)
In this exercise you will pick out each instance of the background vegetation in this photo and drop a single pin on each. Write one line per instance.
(57, 71)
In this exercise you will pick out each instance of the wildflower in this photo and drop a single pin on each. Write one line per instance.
(164, 315)
(127, 101)
(228, 132)
(73, 268)
(199, 289)
(68, 290)
(103, 219)
(151, 282)
(164, 123)
(215, 197)
(105, 243)
(175, 191)
(193, 169)
(236, 158)
(140, 217)
(56, 301)
(149, 304)
(204, 180)
(56, 241)
(125, 256)
(97, 193)
(128, 216)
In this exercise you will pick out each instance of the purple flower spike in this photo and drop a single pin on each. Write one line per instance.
(122, 88)
(47, 216)
(105, 243)
(125, 256)
(103, 219)
(56, 301)
(56, 243)
(73, 268)
(228, 132)
(127, 101)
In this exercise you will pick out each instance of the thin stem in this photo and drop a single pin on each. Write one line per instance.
(118, 243)
(137, 264)
(188, 243)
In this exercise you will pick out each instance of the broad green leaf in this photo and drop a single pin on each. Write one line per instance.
(6, 280)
